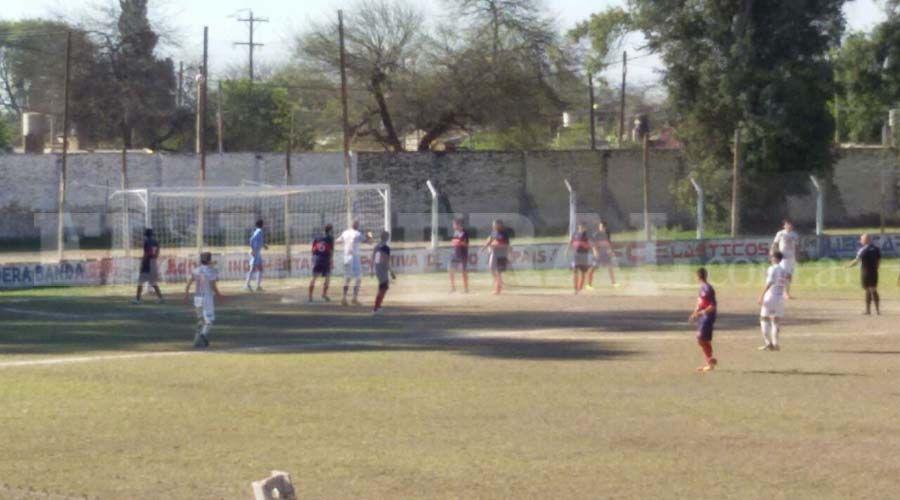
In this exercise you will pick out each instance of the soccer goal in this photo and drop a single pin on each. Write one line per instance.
(221, 219)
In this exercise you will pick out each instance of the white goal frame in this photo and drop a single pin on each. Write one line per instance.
(146, 194)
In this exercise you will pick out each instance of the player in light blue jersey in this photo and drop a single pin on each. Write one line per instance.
(257, 244)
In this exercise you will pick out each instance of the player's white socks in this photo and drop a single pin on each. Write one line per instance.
(775, 330)
(764, 326)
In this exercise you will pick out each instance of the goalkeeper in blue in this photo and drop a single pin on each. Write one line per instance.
(257, 244)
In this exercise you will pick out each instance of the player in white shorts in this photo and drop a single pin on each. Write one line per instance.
(205, 297)
(772, 301)
(787, 241)
(351, 239)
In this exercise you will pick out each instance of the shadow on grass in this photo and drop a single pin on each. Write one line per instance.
(803, 373)
(95, 324)
(864, 352)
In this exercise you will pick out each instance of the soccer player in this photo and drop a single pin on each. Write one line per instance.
(351, 240)
(603, 255)
(771, 301)
(323, 257)
(499, 245)
(705, 312)
(205, 297)
(149, 268)
(459, 260)
(786, 241)
(381, 269)
(869, 258)
(257, 244)
(581, 246)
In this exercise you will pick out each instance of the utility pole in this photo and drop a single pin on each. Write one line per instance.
(201, 137)
(736, 185)
(250, 44)
(179, 100)
(201, 108)
(622, 102)
(63, 173)
(645, 160)
(220, 126)
(593, 120)
(344, 111)
(345, 115)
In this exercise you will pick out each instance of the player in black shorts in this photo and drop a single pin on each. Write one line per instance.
(603, 255)
(149, 268)
(459, 259)
(499, 245)
(869, 258)
(581, 247)
(322, 257)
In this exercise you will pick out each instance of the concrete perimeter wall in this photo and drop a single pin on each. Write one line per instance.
(526, 184)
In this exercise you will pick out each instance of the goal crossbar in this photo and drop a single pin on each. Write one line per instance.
(248, 191)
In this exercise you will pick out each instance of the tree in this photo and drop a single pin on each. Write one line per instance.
(760, 66)
(6, 139)
(867, 68)
(258, 118)
(605, 31)
(506, 74)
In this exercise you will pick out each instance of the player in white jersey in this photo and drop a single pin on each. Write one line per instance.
(787, 241)
(351, 239)
(205, 296)
(772, 301)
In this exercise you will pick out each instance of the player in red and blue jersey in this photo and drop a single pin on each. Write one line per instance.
(499, 245)
(705, 315)
(459, 259)
(323, 258)
(581, 247)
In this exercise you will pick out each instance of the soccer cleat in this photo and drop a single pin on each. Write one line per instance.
(589, 287)
(248, 288)
(344, 302)
(160, 301)
(259, 289)
(767, 347)
(616, 285)
(135, 302)
(309, 300)
(356, 302)
(326, 298)
(776, 348)
(197, 341)
(377, 312)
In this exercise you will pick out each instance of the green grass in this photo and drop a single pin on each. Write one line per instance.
(534, 394)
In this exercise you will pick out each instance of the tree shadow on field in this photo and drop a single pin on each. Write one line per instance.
(263, 324)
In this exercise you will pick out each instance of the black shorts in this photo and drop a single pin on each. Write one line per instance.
(459, 264)
(581, 267)
(499, 264)
(869, 279)
(384, 285)
(705, 328)
(322, 269)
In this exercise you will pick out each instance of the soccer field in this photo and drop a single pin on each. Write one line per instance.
(532, 394)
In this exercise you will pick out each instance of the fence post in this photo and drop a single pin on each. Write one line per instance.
(700, 208)
(820, 206)
(434, 214)
(573, 203)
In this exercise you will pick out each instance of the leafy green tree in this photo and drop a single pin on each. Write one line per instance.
(867, 70)
(257, 117)
(6, 139)
(760, 66)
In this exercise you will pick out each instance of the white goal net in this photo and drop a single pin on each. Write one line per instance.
(220, 219)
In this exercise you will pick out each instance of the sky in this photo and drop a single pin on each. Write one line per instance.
(286, 18)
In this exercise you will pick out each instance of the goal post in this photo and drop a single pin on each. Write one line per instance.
(221, 219)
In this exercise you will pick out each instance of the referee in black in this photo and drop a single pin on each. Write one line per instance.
(869, 257)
